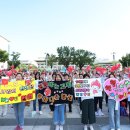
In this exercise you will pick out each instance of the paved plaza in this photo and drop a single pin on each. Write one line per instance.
(45, 122)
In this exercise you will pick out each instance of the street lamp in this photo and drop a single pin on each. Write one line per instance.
(113, 56)
(46, 59)
(127, 63)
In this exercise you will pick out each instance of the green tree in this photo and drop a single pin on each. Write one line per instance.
(51, 59)
(4, 56)
(15, 59)
(125, 60)
(65, 55)
(83, 57)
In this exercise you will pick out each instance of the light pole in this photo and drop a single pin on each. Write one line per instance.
(127, 63)
(113, 56)
(9, 50)
(47, 59)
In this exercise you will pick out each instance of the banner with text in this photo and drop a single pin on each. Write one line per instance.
(88, 87)
(56, 92)
(17, 91)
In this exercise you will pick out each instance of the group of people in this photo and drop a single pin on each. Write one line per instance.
(88, 105)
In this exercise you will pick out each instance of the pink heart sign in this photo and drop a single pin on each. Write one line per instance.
(123, 89)
(117, 90)
(110, 87)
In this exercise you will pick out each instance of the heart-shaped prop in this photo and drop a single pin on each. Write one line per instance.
(110, 87)
(123, 89)
(117, 90)
(126, 82)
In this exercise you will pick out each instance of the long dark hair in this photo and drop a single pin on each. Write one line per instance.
(111, 74)
(59, 76)
(37, 73)
(86, 75)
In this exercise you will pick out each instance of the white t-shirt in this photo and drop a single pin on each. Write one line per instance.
(83, 98)
(36, 84)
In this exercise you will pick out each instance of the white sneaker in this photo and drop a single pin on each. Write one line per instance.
(118, 129)
(40, 112)
(61, 127)
(85, 127)
(80, 112)
(4, 114)
(57, 127)
(51, 112)
(96, 113)
(100, 113)
(33, 113)
(112, 129)
(91, 127)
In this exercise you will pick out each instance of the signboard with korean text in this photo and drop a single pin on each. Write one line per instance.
(56, 92)
(88, 87)
(17, 91)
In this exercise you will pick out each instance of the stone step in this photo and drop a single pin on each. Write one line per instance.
(66, 127)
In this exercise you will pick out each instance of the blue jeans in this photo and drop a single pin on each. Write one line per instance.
(59, 115)
(34, 103)
(19, 113)
(114, 122)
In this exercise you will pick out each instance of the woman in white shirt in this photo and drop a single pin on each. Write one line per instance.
(114, 115)
(88, 112)
(37, 79)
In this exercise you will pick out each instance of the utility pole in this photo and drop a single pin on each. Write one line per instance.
(113, 56)
(9, 50)
(47, 59)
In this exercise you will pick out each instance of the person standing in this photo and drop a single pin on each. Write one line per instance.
(19, 109)
(114, 121)
(98, 100)
(4, 107)
(88, 113)
(51, 106)
(59, 111)
(66, 78)
(37, 79)
(129, 106)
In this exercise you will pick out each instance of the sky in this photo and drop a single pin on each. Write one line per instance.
(36, 27)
